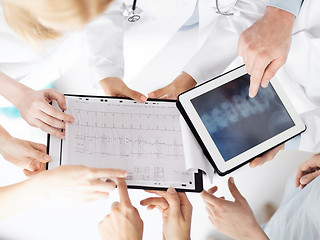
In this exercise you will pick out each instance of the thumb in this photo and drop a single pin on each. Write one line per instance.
(234, 190)
(59, 97)
(39, 156)
(134, 95)
(306, 179)
(174, 201)
(160, 92)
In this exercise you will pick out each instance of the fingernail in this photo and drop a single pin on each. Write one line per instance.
(151, 95)
(143, 98)
(125, 174)
(71, 120)
(171, 190)
(47, 157)
(232, 180)
(251, 94)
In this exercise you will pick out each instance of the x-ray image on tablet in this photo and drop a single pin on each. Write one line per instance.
(231, 128)
(237, 122)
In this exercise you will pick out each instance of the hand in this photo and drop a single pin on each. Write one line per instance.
(176, 213)
(77, 183)
(265, 46)
(181, 84)
(308, 171)
(113, 86)
(34, 107)
(235, 219)
(30, 156)
(267, 156)
(124, 222)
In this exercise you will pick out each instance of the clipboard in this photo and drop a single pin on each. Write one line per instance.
(55, 147)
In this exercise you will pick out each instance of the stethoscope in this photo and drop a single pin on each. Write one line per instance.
(132, 13)
(229, 12)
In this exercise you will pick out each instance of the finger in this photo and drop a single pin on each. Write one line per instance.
(134, 95)
(100, 186)
(306, 179)
(185, 205)
(38, 154)
(52, 111)
(298, 177)
(211, 220)
(159, 193)
(123, 191)
(207, 197)
(212, 190)
(29, 173)
(51, 121)
(270, 71)
(53, 94)
(32, 165)
(98, 195)
(108, 172)
(157, 201)
(234, 190)
(174, 201)
(115, 204)
(151, 207)
(254, 87)
(48, 129)
(258, 70)
(241, 45)
(255, 162)
(313, 162)
(160, 92)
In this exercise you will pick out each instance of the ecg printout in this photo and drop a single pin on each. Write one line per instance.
(144, 139)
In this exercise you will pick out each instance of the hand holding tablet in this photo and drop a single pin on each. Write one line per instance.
(233, 128)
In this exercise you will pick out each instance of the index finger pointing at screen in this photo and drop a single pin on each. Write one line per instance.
(123, 191)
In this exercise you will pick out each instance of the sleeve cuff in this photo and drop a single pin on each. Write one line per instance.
(293, 144)
(292, 6)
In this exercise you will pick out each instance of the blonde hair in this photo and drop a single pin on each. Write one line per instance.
(22, 15)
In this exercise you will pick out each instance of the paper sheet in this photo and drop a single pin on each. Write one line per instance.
(195, 159)
(144, 139)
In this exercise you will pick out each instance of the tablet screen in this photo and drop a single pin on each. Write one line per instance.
(237, 122)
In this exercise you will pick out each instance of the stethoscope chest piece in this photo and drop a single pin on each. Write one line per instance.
(132, 15)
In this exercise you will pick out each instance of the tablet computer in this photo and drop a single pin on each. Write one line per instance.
(141, 138)
(233, 128)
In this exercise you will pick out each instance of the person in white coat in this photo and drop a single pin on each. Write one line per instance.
(219, 36)
(39, 40)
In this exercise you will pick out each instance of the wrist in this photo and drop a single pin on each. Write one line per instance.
(256, 233)
(5, 138)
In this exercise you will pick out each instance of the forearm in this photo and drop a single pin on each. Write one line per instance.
(18, 196)
(4, 138)
(11, 89)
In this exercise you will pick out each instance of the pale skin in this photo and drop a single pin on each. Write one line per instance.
(176, 213)
(308, 171)
(34, 106)
(28, 155)
(77, 183)
(234, 218)
(264, 46)
(124, 222)
(113, 86)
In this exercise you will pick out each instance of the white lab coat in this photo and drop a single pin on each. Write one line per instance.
(109, 35)
(300, 75)
(298, 216)
(160, 20)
